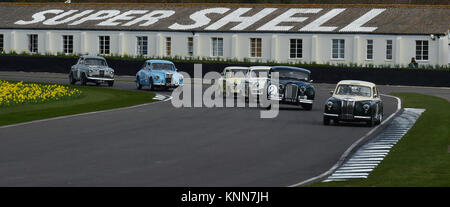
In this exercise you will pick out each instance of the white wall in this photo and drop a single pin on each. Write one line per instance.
(316, 47)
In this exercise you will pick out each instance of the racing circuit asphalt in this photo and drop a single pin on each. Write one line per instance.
(160, 145)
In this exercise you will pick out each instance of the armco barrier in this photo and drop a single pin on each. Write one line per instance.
(414, 77)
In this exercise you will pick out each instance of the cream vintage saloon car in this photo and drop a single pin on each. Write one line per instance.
(255, 81)
(356, 101)
(232, 80)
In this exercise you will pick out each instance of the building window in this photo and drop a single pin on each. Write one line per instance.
(217, 46)
(104, 45)
(338, 49)
(142, 45)
(388, 49)
(190, 46)
(33, 43)
(255, 47)
(296, 48)
(168, 46)
(421, 49)
(369, 52)
(67, 44)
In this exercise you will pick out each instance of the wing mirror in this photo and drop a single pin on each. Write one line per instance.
(331, 92)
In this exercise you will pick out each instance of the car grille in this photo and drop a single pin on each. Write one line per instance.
(347, 107)
(290, 92)
(169, 78)
(101, 73)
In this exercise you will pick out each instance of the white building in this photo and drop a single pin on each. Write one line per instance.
(282, 33)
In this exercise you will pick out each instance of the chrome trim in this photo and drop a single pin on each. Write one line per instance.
(103, 79)
(362, 117)
(333, 115)
(291, 91)
(305, 101)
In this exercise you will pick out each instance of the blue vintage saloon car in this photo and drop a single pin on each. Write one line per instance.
(158, 74)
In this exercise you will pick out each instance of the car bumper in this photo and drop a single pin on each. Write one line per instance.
(291, 101)
(347, 118)
(100, 79)
(167, 84)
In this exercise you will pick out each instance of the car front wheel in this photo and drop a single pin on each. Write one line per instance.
(371, 122)
(150, 84)
(71, 79)
(326, 121)
(138, 84)
(110, 83)
(307, 107)
(83, 79)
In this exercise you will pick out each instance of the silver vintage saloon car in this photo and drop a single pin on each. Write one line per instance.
(91, 69)
(354, 101)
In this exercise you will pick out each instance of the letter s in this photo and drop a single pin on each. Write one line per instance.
(39, 17)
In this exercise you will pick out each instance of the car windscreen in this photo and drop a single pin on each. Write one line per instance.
(292, 74)
(236, 72)
(94, 61)
(259, 73)
(353, 90)
(163, 66)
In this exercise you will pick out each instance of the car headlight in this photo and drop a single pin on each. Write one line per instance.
(329, 105)
(157, 77)
(91, 71)
(272, 89)
(366, 108)
(302, 89)
(111, 72)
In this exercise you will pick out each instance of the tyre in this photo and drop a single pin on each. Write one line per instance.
(83, 79)
(72, 79)
(307, 107)
(110, 83)
(150, 84)
(326, 121)
(371, 122)
(138, 84)
(380, 119)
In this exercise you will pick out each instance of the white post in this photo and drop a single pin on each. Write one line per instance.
(48, 42)
(159, 45)
(12, 43)
(196, 44)
(121, 43)
(234, 46)
(83, 40)
(274, 48)
(398, 51)
(443, 51)
(356, 49)
(314, 48)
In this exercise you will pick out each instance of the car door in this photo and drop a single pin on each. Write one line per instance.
(377, 100)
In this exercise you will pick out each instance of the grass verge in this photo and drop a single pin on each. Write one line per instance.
(421, 157)
(93, 99)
